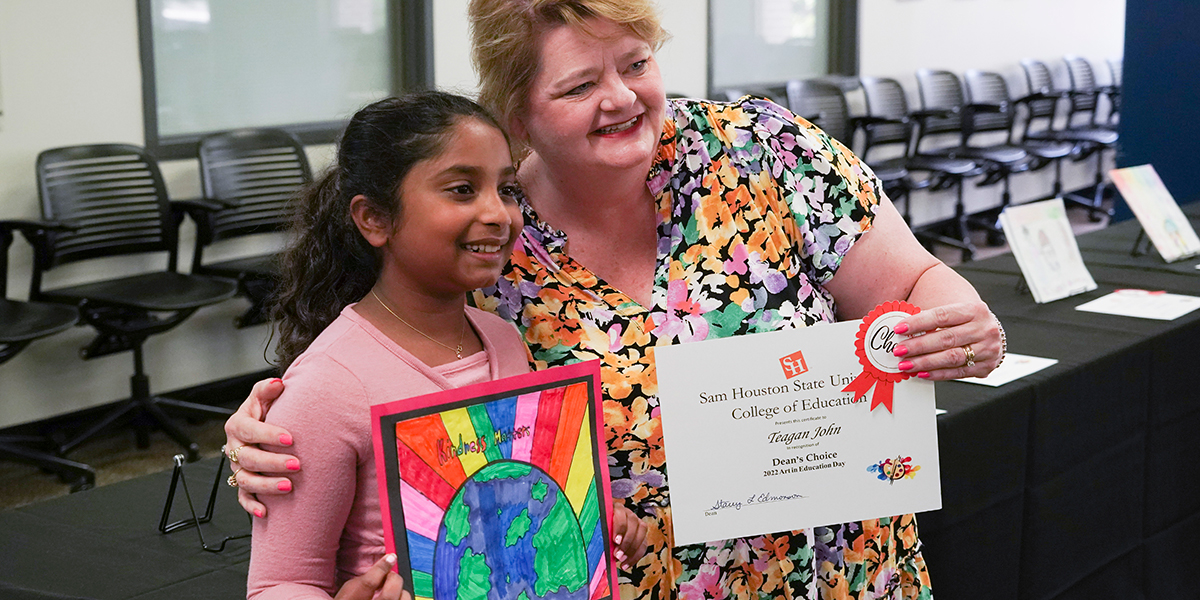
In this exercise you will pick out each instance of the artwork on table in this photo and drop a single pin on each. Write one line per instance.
(1044, 245)
(1162, 220)
(499, 490)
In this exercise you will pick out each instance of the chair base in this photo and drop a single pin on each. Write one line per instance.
(146, 413)
(78, 475)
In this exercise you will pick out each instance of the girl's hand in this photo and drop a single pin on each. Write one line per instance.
(960, 340)
(254, 467)
(629, 536)
(379, 582)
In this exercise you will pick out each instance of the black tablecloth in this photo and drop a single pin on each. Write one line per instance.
(104, 543)
(1074, 482)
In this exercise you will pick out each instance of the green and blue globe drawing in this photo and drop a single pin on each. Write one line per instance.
(510, 533)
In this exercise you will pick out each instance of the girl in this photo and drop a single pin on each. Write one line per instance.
(419, 209)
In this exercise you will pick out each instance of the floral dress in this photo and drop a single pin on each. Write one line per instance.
(756, 210)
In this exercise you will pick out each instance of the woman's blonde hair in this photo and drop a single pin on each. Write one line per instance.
(505, 36)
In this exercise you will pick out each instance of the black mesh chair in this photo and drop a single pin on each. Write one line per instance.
(115, 202)
(890, 126)
(1084, 95)
(992, 109)
(824, 104)
(1115, 71)
(943, 99)
(1041, 123)
(20, 324)
(250, 178)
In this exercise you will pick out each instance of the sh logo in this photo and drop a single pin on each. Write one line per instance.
(793, 364)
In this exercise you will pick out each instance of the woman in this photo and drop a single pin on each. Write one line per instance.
(687, 220)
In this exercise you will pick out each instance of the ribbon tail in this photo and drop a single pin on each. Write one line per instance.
(861, 385)
(883, 395)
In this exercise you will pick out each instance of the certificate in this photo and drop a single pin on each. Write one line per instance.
(499, 489)
(761, 435)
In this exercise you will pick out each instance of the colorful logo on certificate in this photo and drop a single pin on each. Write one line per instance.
(793, 364)
(892, 470)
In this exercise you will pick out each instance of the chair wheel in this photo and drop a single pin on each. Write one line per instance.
(193, 453)
(996, 238)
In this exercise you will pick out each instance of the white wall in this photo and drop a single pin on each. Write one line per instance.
(69, 74)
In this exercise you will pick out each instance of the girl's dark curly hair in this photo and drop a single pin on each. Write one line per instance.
(328, 264)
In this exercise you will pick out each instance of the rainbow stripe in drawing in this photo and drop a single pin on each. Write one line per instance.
(483, 490)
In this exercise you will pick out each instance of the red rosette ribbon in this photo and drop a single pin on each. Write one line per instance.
(874, 343)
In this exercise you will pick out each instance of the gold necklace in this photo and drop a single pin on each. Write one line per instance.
(461, 336)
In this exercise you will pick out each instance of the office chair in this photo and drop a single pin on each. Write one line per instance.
(1084, 95)
(20, 324)
(250, 178)
(890, 124)
(826, 103)
(994, 110)
(1042, 105)
(1114, 90)
(115, 201)
(942, 96)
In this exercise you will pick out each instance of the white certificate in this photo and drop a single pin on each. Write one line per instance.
(760, 438)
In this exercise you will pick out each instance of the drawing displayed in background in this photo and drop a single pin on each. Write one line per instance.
(1042, 242)
(499, 490)
(1162, 220)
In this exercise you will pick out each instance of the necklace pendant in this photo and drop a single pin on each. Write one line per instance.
(458, 351)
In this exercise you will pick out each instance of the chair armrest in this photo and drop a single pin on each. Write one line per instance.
(196, 205)
(1040, 95)
(987, 107)
(27, 227)
(932, 113)
(37, 234)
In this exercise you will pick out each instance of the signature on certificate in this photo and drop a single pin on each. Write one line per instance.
(753, 500)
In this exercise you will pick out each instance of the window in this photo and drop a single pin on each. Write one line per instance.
(300, 65)
(767, 42)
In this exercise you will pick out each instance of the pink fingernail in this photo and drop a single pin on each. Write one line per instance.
(285, 486)
(905, 365)
(258, 513)
(900, 351)
(617, 540)
(923, 374)
(902, 328)
(285, 440)
(276, 380)
(292, 465)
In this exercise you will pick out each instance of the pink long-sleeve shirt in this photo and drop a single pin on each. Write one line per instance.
(329, 529)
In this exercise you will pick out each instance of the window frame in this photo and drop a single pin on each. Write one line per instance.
(410, 21)
(843, 43)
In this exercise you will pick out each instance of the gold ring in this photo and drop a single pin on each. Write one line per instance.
(232, 481)
(970, 355)
(233, 454)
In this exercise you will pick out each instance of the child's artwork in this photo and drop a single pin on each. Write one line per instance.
(499, 490)
(1155, 208)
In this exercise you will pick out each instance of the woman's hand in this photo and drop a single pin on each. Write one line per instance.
(258, 471)
(629, 536)
(379, 582)
(959, 340)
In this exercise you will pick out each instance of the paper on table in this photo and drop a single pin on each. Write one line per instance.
(1014, 367)
(1143, 304)
(1157, 211)
(1042, 242)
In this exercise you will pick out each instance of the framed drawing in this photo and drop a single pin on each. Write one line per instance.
(499, 490)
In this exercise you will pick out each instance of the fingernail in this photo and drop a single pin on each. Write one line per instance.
(902, 328)
(617, 540)
(620, 556)
(285, 486)
(292, 465)
(276, 380)
(900, 351)
(923, 374)
(905, 365)
(258, 513)
(285, 440)
(390, 559)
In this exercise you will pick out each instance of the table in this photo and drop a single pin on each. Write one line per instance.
(104, 544)
(1074, 482)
